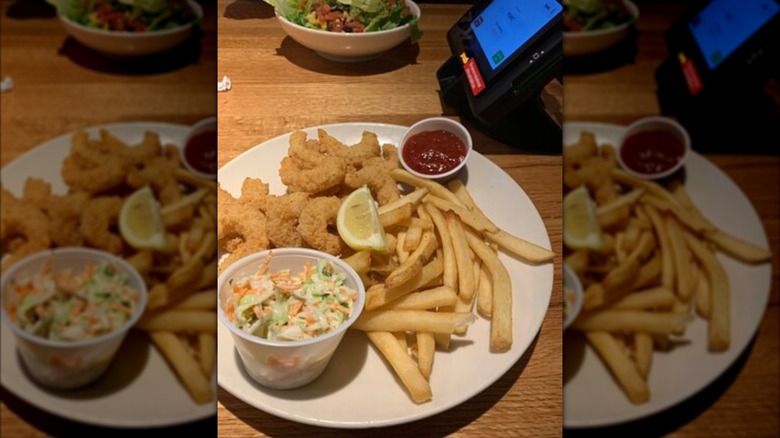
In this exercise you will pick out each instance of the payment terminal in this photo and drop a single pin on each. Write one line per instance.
(722, 76)
(503, 54)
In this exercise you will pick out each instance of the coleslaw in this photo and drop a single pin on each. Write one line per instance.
(127, 15)
(64, 306)
(349, 16)
(287, 306)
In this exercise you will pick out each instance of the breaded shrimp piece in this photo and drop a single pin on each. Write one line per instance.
(255, 193)
(329, 173)
(98, 221)
(24, 229)
(65, 218)
(316, 224)
(36, 192)
(283, 214)
(158, 173)
(367, 148)
(108, 176)
(241, 228)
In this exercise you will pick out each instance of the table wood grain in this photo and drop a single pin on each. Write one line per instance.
(61, 86)
(744, 401)
(280, 86)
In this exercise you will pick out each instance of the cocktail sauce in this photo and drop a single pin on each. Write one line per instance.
(201, 152)
(651, 152)
(434, 152)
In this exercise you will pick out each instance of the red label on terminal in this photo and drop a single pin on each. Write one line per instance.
(474, 77)
(691, 76)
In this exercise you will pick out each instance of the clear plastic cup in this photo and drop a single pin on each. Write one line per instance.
(286, 364)
(63, 364)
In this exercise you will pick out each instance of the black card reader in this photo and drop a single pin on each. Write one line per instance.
(721, 77)
(503, 54)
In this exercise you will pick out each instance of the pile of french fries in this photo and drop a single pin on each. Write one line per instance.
(442, 260)
(180, 318)
(657, 268)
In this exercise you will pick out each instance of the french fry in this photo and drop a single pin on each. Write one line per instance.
(434, 187)
(484, 293)
(474, 218)
(621, 366)
(523, 249)
(450, 274)
(631, 320)
(414, 198)
(648, 299)
(501, 313)
(720, 295)
(462, 258)
(426, 346)
(427, 299)
(379, 295)
(203, 300)
(412, 320)
(179, 321)
(207, 352)
(185, 365)
(416, 384)
(643, 352)
(395, 216)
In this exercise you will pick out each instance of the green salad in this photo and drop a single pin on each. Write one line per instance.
(351, 16)
(590, 15)
(127, 15)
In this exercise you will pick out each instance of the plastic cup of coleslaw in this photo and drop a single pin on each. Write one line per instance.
(74, 358)
(289, 363)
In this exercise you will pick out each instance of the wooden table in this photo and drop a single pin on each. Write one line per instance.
(745, 401)
(61, 86)
(278, 87)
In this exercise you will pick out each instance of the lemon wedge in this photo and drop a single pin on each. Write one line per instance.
(140, 223)
(358, 222)
(581, 229)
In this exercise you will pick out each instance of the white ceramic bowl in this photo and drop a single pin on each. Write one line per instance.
(589, 42)
(349, 47)
(572, 295)
(435, 124)
(286, 364)
(656, 123)
(205, 126)
(61, 364)
(128, 44)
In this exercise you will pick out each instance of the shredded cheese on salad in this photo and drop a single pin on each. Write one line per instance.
(288, 306)
(64, 306)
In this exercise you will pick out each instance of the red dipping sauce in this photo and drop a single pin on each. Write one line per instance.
(434, 152)
(200, 152)
(651, 152)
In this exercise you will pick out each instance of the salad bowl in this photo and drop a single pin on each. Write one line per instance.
(579, 41)
(129, 43)
(348, 46)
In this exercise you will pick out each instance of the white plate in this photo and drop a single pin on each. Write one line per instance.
(140, 389)
(358, 389)
(591, 397)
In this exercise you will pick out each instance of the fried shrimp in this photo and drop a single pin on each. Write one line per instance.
(328, 173)
(159, 173)
(283, 214)
(65, 218)
(242, 228)
(98, 222)
(24, 229)
(255, 193)
(108, 176)
(316, 224)
(367, 148)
